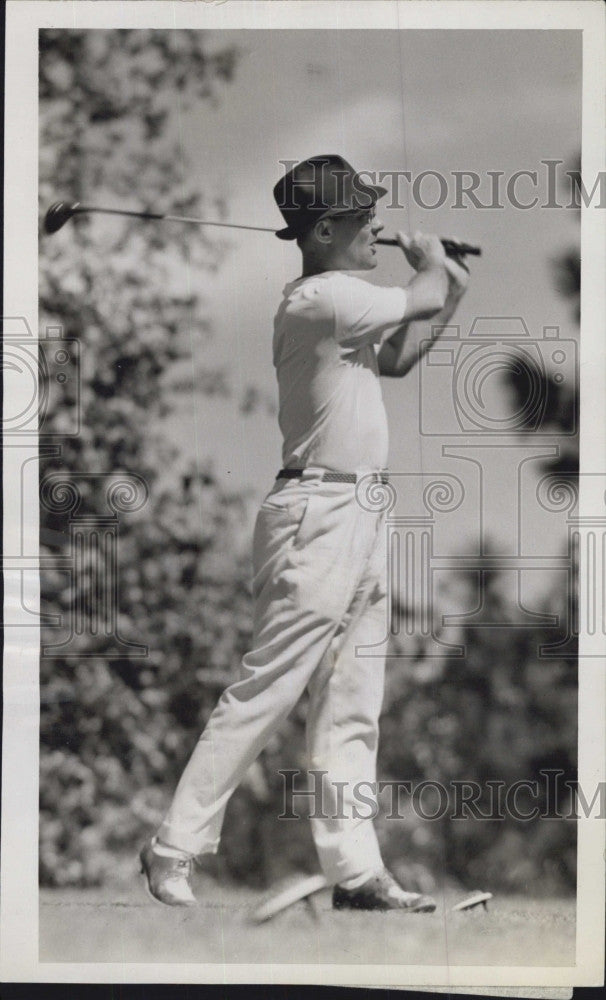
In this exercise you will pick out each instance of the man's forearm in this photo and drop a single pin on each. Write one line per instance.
(409, 343)
(426, 294)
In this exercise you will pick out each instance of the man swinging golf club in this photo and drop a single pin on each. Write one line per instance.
(319, 555)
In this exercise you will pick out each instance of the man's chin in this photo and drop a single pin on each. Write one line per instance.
(366, 263)
(369, 263)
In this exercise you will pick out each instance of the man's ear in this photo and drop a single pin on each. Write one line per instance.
(324, 231)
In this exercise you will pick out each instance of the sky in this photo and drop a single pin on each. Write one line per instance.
(433, 100)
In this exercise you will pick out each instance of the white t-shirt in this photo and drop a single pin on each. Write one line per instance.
(327, 334)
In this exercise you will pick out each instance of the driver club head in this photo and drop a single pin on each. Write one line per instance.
(58, 214)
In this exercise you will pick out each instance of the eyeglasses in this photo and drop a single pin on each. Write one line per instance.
(365, 215)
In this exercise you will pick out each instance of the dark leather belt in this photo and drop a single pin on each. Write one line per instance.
(334, 477)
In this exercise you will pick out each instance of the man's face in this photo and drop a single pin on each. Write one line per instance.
(354, 239)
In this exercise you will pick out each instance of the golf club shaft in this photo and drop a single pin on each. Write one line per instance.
(80, 209)
(450, 246)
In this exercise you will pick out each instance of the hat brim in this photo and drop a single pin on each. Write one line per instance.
(288, 233)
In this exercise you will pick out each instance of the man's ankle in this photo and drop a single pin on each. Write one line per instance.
(358, 880)
(165, 850)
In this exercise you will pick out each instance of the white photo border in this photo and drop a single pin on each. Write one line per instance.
(19, 916)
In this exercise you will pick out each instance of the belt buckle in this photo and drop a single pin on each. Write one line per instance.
(381, 477)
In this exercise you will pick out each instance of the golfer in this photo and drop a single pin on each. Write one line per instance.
(319, 553)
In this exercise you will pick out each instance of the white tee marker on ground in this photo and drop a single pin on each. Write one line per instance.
(476, 899)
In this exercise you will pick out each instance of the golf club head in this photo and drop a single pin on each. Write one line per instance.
(58, 214)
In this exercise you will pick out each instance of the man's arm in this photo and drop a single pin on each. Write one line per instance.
(406, 346)
(426, 293)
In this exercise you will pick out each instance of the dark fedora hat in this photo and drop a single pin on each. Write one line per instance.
(318, 188)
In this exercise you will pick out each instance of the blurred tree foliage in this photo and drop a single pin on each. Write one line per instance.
(500, 713)
(567, 264)
(116, 732)
(525, 714)
(561, 400)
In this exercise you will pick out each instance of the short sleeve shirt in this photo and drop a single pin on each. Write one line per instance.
(327, 333)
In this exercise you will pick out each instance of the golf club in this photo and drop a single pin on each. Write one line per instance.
(62, 211)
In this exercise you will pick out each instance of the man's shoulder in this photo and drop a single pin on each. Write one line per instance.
(310, 295)
(318, 283)
(331, 285)
(326, 297)
(346, 278)
(349, 292)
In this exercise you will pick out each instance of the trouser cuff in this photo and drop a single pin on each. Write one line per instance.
(355, 883)
(185, 841)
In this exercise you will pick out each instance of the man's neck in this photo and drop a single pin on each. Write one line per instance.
(314, 265)
(311, 267)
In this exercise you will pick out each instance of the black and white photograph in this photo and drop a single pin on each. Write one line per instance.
(304, 487)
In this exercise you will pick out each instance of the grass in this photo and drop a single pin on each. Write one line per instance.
(122, 924)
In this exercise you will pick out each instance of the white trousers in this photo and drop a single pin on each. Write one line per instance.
(319, 591)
